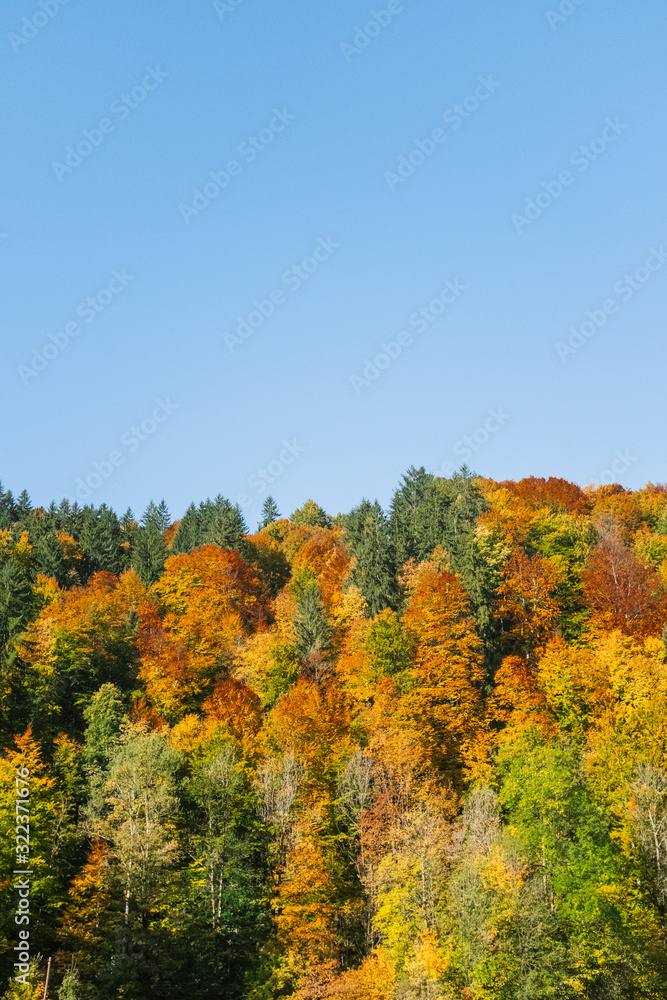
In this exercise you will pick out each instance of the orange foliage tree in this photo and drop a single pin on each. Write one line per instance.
(527, 604)
(198, 614)
(83, 638)
(447, 664)
(622, 592)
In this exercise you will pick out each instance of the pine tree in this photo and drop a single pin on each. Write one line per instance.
(270, 513)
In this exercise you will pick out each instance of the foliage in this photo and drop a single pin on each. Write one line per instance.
(401, 754)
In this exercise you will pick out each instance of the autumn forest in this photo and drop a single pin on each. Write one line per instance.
(408, 754)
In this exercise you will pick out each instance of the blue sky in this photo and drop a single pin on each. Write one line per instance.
(369, 158)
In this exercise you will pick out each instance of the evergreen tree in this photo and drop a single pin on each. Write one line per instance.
(16, 599)
(409, 517)
(102, 539)
(311, 624)
(225, 526)
(373, 568)
(7, 508)
(23, 505)
(187, 535)
(49, 559)
(150, 549)
(270, 512)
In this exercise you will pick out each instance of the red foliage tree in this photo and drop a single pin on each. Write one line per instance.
(622, 592)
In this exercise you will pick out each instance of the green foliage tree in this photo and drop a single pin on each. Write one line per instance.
(138, 823)
(311, 515)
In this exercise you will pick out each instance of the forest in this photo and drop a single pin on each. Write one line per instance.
(408, 754)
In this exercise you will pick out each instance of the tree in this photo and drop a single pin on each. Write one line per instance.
(270, 513)
(526, 604)
(224, 526)
(622, 592)
(102, 539)
(389, 649)
(311, 625)
(105, 716)
(221, 846)
(650, 810)
(81, 640)
(188, 533)
(138, 824)
(50, 559)
(311, 515)
(447, 665)
(408, 520)
(16, 599)
(373, 567)
(205, 604)
(151, 546)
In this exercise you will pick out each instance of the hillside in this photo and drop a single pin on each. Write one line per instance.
(414, 753)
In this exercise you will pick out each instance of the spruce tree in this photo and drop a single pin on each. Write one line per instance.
(16, 599)
(409, 517)
(270, 513)
(23, 504)
(187, 535)
(225, 526)
(311, 624)
(150, 550)
(49, 558)
(102, 539)
(373, 566)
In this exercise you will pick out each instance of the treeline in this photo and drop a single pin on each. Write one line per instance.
(389, 754)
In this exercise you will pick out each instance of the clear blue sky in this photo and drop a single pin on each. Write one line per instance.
(331, 119)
